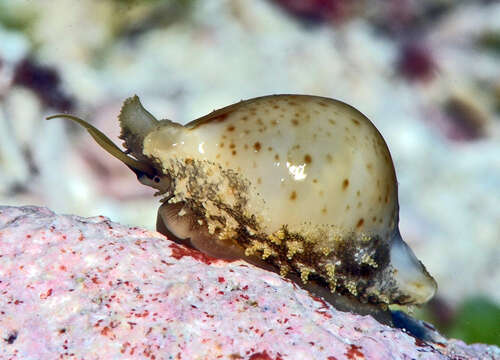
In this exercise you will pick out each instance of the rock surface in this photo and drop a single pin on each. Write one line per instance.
(75, 287)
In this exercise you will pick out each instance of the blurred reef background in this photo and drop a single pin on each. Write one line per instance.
(427, 73)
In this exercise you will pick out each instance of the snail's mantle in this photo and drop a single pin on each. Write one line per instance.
(88, 288)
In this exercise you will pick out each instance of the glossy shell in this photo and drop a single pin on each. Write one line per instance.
(303, 161)
(305, 183)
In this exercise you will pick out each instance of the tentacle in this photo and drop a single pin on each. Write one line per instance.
(109, 146)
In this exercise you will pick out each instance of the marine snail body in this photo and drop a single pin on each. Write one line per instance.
(301, 185)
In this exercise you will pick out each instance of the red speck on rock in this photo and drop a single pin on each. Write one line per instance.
(353, 353)
(46, 295)
(178, 252)
(332, 358)
(105, 331)
(262, 356)
(325, 314)
(323, 307)
(124, 347)
(221, 279)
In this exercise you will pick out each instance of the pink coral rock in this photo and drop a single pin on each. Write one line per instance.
(88, 288)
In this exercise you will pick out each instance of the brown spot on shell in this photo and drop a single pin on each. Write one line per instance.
(295, 122)
(232, 146)
(276, 157)
(360, 223)
(355, 121)
(345, 184)
(293, 195)
(329, 158)
(307, 159)
(233, 152)
(230, 128)
(257, 146)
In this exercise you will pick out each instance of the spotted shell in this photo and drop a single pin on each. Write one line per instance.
(302, 184)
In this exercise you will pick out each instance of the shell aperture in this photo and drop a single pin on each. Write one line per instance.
(301, 184)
